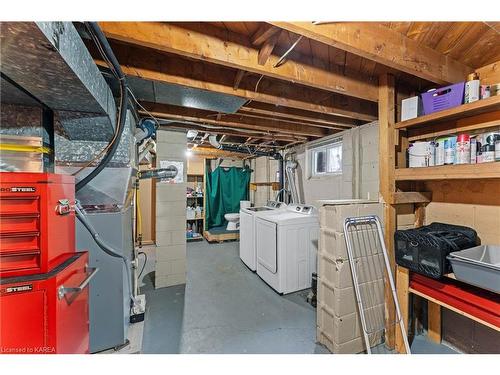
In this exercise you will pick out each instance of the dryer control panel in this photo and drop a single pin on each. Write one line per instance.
(303, 209)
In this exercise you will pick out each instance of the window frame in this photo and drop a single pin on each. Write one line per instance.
(312, 152)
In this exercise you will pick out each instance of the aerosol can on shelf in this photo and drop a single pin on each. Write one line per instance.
(472, 88)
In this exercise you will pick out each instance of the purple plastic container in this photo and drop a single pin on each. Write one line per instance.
(443, 98)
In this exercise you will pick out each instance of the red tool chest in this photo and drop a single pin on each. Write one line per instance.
(37, 222)
(47, 313)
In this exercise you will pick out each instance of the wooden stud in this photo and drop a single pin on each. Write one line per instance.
(387, 117)
(403, 283)
(376, 42)
(211, 44)
(434, 322)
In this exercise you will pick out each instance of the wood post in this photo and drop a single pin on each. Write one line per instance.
(403, 283)
(434, 322)
(387, 164)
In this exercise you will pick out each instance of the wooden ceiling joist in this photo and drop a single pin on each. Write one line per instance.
(213, 153)
(312, 118)
(167, 111)
(227, 132)
(160, 67)
(377, 42)
(265, 32)
(211, 44)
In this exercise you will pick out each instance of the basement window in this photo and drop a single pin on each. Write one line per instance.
(326, 160)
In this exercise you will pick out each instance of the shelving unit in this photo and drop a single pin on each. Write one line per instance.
(449, 172)
(417, 186)
(195, 178)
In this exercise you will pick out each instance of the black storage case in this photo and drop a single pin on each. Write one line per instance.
(424, 250)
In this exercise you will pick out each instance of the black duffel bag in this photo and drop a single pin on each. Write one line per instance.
(424, 250)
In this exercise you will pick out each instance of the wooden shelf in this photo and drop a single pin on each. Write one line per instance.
(449, 172)
(456, 113)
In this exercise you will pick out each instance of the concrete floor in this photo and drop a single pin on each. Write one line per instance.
(229, 309)
(226, 308)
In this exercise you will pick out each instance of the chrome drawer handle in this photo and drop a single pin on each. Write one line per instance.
(62, 290)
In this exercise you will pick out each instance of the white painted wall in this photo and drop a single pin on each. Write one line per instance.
(359, 178)
(264, 170)
(170, 264)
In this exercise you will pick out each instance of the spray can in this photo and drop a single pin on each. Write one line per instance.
(449, 149)
(485, 91)
(486, 150)
(439, 151)
(421, 154)
(462, 149)
(497, 147)
(472, 88)
(473, 150)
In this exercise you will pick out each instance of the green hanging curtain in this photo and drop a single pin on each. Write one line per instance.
(226, 187)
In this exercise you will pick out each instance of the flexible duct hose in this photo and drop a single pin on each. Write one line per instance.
(104, 246)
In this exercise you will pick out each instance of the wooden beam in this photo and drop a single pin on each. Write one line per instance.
(266, 49)
(230, 120)
(489, 74)
(228, 132)
(211, 44)
(244, 113)
(377, 42)
(263, 33)
(403, 280)
(237, 80)
(215, 152)
(406, 197)
(434, 322)
(318, 119)
(162, 67)
(387, 160)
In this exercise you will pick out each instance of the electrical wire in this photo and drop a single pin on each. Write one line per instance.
(105, 149)
(144, 109)
(282, 58)
(144, 265)
(98, 37)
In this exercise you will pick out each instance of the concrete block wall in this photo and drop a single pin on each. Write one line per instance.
(170, 268)
(264, 170)
(359, 177)
(368, 157)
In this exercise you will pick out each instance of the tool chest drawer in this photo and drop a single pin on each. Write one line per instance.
(19, 223)
(19, 205)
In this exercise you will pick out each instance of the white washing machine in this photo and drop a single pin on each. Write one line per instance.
(287, 247)
(248, 252)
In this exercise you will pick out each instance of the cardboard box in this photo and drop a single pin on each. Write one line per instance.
(411, 108)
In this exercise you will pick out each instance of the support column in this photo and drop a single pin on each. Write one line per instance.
(387, 164)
